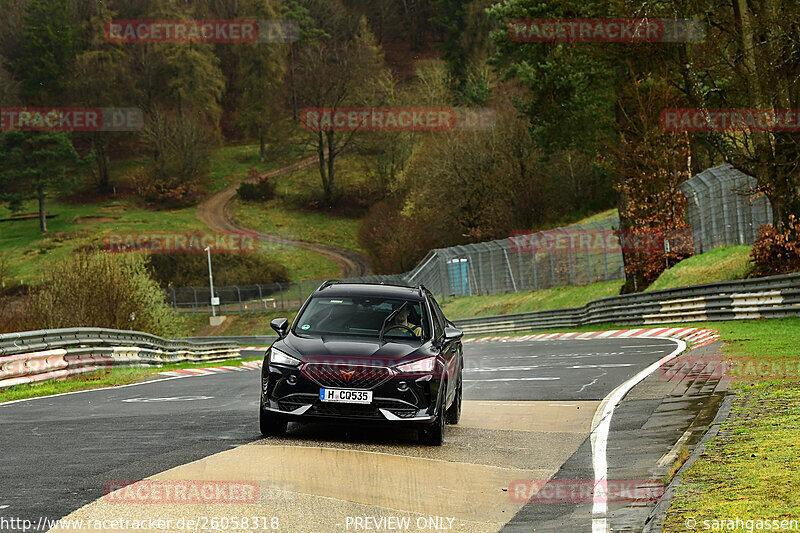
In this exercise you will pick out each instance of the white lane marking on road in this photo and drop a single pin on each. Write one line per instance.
(501, 368)
(601, 424)
(508, 379)
(562, 405)
(609, 365)
(168, 399)
(4, 506)
(647, 346)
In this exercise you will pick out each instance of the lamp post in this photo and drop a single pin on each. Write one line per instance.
(211, 282)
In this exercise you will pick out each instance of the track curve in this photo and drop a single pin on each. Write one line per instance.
(528, 412)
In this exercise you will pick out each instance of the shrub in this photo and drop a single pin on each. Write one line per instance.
(393, 242)
(777, 252)
(261, 190)
(99, 289)
(181, 146)
(229, 269)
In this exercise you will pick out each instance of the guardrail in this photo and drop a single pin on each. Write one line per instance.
(770, 297)
(32, 356)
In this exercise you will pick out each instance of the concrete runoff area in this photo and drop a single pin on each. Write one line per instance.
(324, 477)
(373, 475)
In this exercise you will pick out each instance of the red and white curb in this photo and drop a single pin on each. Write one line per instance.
(693, 336)
(185, 372)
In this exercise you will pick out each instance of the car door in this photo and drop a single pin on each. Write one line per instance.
(450, 352)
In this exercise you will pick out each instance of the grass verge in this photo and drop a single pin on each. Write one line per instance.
(749, 471)
(521, 302)
(110, 377)
(721, 264)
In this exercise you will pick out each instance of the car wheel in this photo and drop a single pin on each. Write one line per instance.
(270, 424)
(433, 435)
(454, 413)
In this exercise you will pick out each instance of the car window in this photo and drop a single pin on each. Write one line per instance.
(438, 323)
(437, 311)
(363, 316)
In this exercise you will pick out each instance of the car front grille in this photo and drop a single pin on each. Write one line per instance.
(347, 376)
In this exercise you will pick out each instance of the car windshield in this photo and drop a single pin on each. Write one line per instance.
(363, 316)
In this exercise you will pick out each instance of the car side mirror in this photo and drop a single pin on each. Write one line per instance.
(280, 325)
(452, 334)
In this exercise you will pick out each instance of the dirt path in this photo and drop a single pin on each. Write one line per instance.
(215, 212)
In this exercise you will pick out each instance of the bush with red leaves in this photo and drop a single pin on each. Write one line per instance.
(777, 252)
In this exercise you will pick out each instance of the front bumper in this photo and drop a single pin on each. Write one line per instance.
(290, 393)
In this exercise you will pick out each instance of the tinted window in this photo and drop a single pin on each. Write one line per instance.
(362, 316)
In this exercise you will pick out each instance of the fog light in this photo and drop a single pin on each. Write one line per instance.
(292, 379)
(402, 386)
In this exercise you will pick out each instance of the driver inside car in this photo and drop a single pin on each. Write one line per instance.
(401, 319)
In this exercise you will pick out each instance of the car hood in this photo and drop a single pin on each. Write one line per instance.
(352, 350)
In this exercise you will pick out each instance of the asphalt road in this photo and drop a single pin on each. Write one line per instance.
(59, 452)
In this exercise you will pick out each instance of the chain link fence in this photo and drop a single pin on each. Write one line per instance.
(724, 208)
(574, 255)
(242, 298)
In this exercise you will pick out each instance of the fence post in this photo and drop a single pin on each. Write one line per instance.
(588, 262)
(174, 300)
(239, 296)
(491, 269)
(196, 304)
(479, 284)
(535, 272)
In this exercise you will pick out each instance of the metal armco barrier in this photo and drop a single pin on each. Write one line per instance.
(771, 297)
(32, 356)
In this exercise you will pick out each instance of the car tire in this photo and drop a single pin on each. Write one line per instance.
(454, 413)
(270, 424)
(433, 435)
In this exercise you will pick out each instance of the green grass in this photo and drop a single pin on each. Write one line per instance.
(25, 254)
(110, 377)
(597, 217)
(749, 470)
(29, 254)
(294, 213)
(304, 265)
(230, 164)
(721, 264)
(521, 302)
(309, 226)
(254, 323)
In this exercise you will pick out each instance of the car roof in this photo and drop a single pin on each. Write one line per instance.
(344, 289)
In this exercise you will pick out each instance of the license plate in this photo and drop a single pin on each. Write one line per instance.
(345, 395)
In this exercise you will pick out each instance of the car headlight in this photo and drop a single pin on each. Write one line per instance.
(418, 367)
(277, 356)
